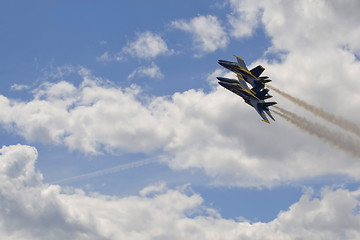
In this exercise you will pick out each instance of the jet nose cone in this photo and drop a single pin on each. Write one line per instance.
(228, 80)
(221, 83)
(223, 63)
(224, 84)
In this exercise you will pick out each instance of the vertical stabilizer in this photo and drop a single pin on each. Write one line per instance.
(257, 71)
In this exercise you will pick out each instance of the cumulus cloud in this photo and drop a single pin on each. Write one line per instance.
(244, 17)
(207, 31)
(152, 72)
(148, 45)
(31, 209)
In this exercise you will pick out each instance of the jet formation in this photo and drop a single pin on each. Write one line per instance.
(257, 94)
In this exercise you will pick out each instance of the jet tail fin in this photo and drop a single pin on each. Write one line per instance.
(266, 80)
(257, 71)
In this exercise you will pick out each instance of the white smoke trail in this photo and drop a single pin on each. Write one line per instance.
(109, 170)
(336, 139)
(329, 117)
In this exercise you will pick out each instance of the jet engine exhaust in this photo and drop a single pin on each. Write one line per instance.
(345, 143)
(329, 117)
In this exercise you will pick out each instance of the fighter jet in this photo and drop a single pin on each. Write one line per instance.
(254, 99)
(252, 76)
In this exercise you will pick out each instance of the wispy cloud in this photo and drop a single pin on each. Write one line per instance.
(152, 72)
(110, 57)
(19, 87)
(102, 172)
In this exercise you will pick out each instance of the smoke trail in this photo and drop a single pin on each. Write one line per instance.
(108, 170)
(336, 139)
(329, 117)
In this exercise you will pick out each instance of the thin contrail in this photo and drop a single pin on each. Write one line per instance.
(108, 170)
(336, 139)
(329, 117)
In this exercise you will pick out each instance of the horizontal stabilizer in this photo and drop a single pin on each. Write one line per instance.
(257, 71)
(266, 80)
(268, 96)
(264, 77)
(268, 104)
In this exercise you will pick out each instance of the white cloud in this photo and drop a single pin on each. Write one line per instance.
(244, 17)
(207, 32)
(153, 72)
(148, 45)
(31, 209)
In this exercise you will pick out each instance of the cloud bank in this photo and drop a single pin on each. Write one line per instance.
(31, 209)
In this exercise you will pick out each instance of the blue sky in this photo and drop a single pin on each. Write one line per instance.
(116, 104)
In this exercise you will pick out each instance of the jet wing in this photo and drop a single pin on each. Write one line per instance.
(243, 83)
(256, 85)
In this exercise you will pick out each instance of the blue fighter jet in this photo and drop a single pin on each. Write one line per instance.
(256, 100)
(252, 76)
(257, 94)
